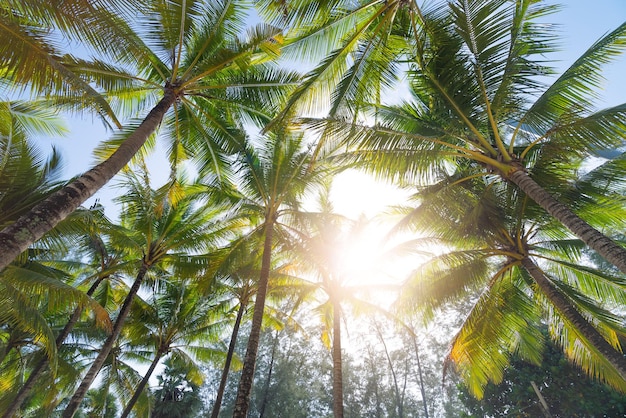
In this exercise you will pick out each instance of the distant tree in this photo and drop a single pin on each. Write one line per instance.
(178, 393)
(567, 391)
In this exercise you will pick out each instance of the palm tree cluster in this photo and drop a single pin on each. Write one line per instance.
(497, 158)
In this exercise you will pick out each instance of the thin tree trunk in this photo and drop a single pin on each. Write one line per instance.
(18, 236)
(242, 402)
(569, 312)
(399, 399)
(596, 240)
(229, 357)
(268, 381)
(544, 405)
(337, 365)
(78, 396)
(420, 374)
(40, 367)
(142, 384)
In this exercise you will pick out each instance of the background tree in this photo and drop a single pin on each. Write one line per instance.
(177, 395)
(567, 391)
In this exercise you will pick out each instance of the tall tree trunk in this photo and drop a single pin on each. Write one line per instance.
(31, 226)
(337, 365)
(596, 240)
(569, 312)
(268, 380)
(420, 374)
(40, 367)
(78, 396)
(142, 384)
(242, 402)
(229, 358)
(399, 398)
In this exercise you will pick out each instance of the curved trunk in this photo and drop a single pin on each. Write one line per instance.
(41, 366)
(142, 385)
(229, 358)
(242, 403)
(16, 238)
(596, 240)
(565, 308)
(78, 396)
(337, 365)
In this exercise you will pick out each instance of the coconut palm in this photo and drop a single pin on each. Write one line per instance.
(526, 269)
(321, 241)
(34, 287)
(238, 265)
(101, 264)
(478, 95)
(177, 322)
(271, 176)
(189, 57)
(162, 235)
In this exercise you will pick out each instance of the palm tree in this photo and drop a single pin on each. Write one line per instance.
(176, 322)
(272, 177)
(165, 233)
(526, 269)
(104, 264)
(238, 264)
(473, 80)
(320, 242)
(190, 56)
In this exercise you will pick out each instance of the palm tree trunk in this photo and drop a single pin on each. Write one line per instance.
(142, 384)
(229, 357)
(242, 402)
(40, 367)
(599, 242)
(16, 238)
(337, 365)
(569, 312)
(78, 396)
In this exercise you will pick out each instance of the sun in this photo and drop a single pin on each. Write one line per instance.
(366, 255)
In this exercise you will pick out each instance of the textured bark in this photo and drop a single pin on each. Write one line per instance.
(78, 396)
(569, 312)
(337, 365)
(41, 366)
(16, 238)
(599, 242)
(142, 384)
(242, 403)
(229, 358)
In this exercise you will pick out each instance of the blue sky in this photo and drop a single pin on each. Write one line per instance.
(581, 23)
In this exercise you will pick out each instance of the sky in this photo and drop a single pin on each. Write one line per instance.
(580, 24)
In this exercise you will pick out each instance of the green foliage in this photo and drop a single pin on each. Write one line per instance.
(568, 392)
(177, 394)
